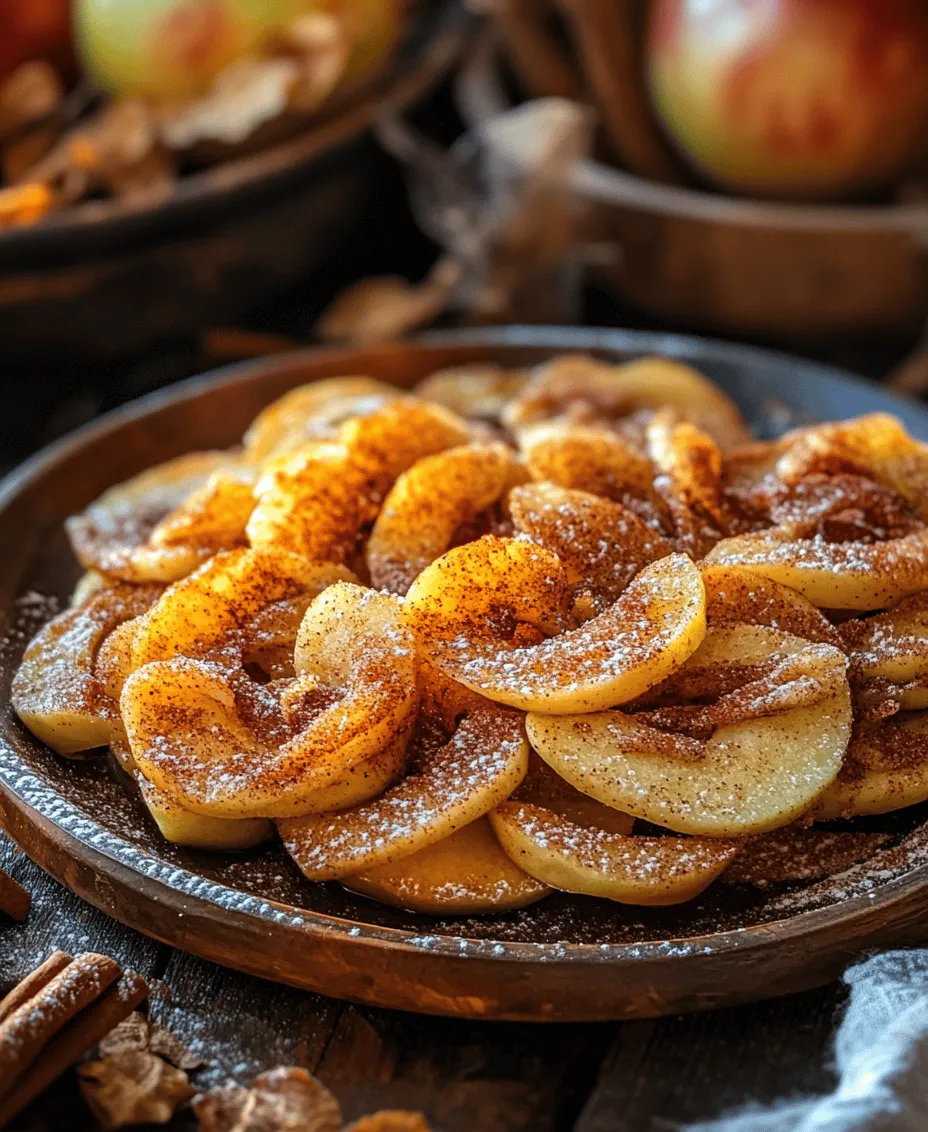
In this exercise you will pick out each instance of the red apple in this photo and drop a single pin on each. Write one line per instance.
(792, 98)
(35, 29)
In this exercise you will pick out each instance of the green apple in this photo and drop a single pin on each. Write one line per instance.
(172, 50)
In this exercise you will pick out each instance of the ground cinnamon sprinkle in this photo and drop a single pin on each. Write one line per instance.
(791, 855)
(539, 567)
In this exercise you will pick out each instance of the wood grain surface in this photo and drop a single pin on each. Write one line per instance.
(495, 1077)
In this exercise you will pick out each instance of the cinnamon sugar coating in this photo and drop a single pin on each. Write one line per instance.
(162, 524)
(341, 626)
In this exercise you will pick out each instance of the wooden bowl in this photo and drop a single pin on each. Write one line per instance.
(746, 267)
(761, 268)
(108, 278)
(567, 958)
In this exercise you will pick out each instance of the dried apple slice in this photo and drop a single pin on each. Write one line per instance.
(832, 575)
(56, 691)
(466, 874)
(112, 534)
(884, 770)
(584, 390)
(312, 411)
(475, 392)
(457, 603)
(429, 503)
(307, 504)
(748, 777)
(200, 613)
(544, 787)
(630, 870)
(586, 459)
(197, 831)
(875, 445)
(89, 583)
(225, 747)
(480, 766)
(893, 647)
(212, 518)
(315, 500)
(688, 467)
(737, 595)
(602, 544)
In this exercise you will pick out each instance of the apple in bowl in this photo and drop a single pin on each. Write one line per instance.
(792, 98)
(172, 50)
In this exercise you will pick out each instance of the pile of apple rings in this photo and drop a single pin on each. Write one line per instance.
(512, 632)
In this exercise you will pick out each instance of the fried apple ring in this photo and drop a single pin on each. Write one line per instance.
(544, 787)
(832, 575)
(585, 459)
(875, 445)
(225, 747)
(481, 765)
(198, 614)
(211, 518)
(586, 391)
(57, 692)
(113, 535)
(893, 647)
(735, 595)
(89, 583)
(886, 769)
(457, 604)
(467, 874)
(688, 466)
(429, 503)
(314, 501)
(750, 776)
(654, 871)
(474, 392)
(313, 411)
(602, 544)
(197, 831)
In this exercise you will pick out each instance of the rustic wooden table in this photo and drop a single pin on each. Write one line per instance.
(466, 1076)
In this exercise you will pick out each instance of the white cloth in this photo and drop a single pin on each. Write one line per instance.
(881, 1057)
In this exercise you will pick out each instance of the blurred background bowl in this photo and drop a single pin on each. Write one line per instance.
(759, 268)
(699, 258)
(106, 278)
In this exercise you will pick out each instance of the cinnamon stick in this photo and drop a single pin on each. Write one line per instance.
(33, 983)
(14, 899)
(609, 41)
(33, 1024)
(74, 1040)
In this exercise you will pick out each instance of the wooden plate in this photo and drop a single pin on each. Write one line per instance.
(568, 958)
